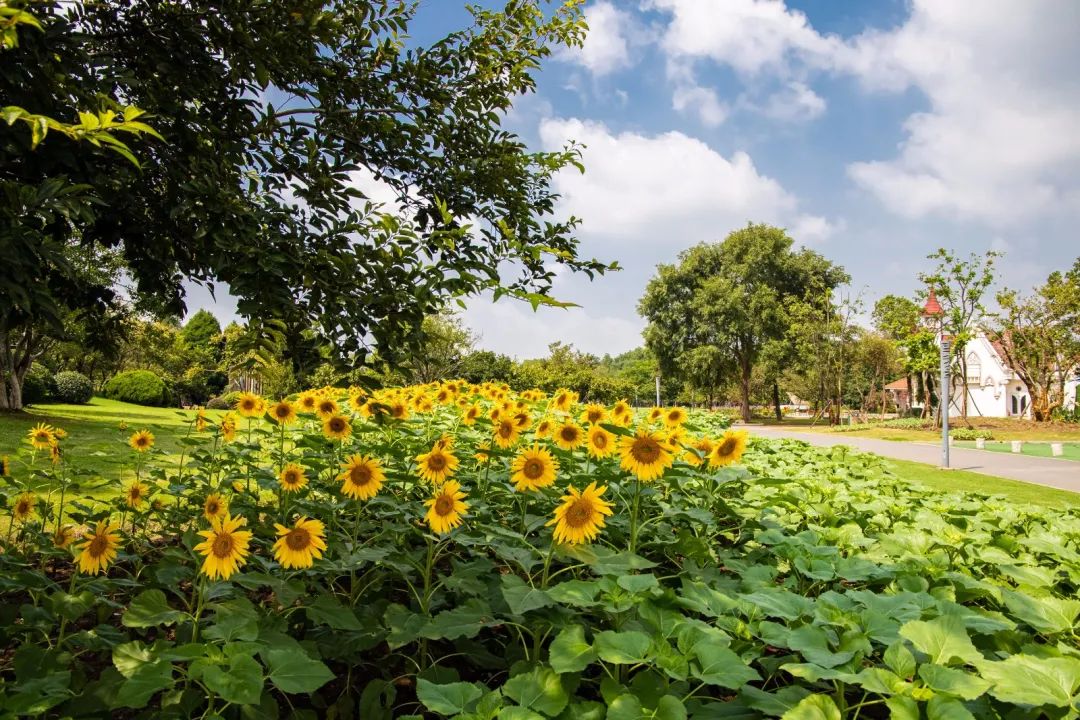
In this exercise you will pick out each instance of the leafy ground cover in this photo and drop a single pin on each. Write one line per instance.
(461, 552)
(931, 477)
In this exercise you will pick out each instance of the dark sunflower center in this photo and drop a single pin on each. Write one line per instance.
(298, 539)
(134, 493)
(223, 545)
(22, 507)
(727, 447)
(594, 416)
(506, 430)
(569, 434)
(397, 410)
(673, 416)
(291, 477)
(141, 441)
(444, 505)
(98, 546)
(645, 450)
(249, 404)
(360, 475)
(579, 513)
(436, 462)
(212, 507)
(337, 424)
(533, 469)
(600, 440)
(282, 411)
(326, 407)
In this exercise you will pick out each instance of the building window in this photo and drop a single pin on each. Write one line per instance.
(974, 369)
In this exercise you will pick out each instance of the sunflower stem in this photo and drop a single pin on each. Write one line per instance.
(634, 515)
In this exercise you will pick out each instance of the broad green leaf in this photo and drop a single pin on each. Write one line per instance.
(293, 672)
(465, 621)
(150, 608)
(403, 625)
(814, 707)
(669, 708)
(944, 639)
(1045, 614)
(627, 647)
(234, 620)
(241, 683)
(540, 689)
(637, 583)
(448, 699)
(1029, 680)
(953, 682)
(775, 703)
(569, 652)
(148, 680)
(702, 598)
(130, 656)
(813, 642)
(516, 712)
(902, 707)
(718, 665)
(328, 611)
(900, 660)
(581, 593)
(941, 707)
(625, 707)
(522, 597)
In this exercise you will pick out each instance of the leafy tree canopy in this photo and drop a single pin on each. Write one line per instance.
(268, 115)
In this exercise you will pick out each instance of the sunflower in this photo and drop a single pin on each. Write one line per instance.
(437, 466)
(249, 405)
(326, 407)
(99, 548)
(399, 410)
(292, 477)
(41, 436)
(482, 452)
(600, 442)
(337, 427)
(620, 409)
(581, 515)
(64, 536)
(545, 427)
(446, 508)
(60, 433)
(301, 545)
(423, 404)
(729, 448)
(563, 399)
(307, 401)
(141, 441)
(135, 494)
(228, 427)
(645, 454)
(200, 420)
(593, 414)
(674, 417)
(506, 432)
(215, 506)
(55, 453)
(469, 416)
(362, 477)
(283, 412)
(533, 469)
(568, 435)
(24, 506)
(656, 413)
(225, 546)
(699, 451)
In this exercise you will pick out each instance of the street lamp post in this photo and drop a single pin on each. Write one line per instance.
(933, 312)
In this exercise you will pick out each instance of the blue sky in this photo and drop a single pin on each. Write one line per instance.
(875, 132)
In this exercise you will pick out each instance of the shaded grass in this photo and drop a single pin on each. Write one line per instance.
(962, 480)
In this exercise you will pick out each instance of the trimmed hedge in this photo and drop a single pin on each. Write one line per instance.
(38, 385)
(140, 387)
(225, 402)
(73, 387)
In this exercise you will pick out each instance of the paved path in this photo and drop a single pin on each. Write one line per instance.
(1063, 474)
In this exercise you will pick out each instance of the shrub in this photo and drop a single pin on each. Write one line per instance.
(73, 387)
(224, 402)
(140, 387)
(38, 385)
(970, 434)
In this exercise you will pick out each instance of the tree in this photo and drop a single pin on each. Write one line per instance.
(1040, 335)
(271, 115)
(731, 296)
(445, 344)
(202, 330)
(961, 285)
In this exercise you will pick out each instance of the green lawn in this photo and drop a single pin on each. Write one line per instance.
(94, 434)
(1035, 449)
(1014, 490)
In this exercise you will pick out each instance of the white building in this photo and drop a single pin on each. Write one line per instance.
(993, 388)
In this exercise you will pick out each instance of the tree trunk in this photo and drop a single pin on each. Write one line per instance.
(15, 358)
(910, 396)
(776, 400)
(744, 389)
(963, 374)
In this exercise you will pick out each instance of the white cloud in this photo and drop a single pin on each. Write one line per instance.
(700, 101)
(666, 191)
(607, 44)
(796, 102)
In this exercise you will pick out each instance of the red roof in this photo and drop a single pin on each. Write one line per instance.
(900, 384)
(933, 307)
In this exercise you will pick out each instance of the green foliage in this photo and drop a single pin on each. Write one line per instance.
(140, 387)
(73, 387)
(201, 330)
(970, 434)
(223, 402)
(38, 385)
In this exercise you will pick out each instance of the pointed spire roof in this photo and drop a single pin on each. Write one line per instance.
(932, 307)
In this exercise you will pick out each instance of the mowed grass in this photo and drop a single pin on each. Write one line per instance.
(1070, 451)
(1003, 429)
(95, 441)
(962, 480)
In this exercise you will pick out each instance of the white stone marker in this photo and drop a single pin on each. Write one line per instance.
(1017, 446)
(980, 443)
(1056, 449)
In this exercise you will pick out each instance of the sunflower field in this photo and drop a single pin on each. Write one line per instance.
(452, 550)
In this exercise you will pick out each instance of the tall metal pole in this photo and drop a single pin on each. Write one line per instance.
(657, 391)
(945, 399)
